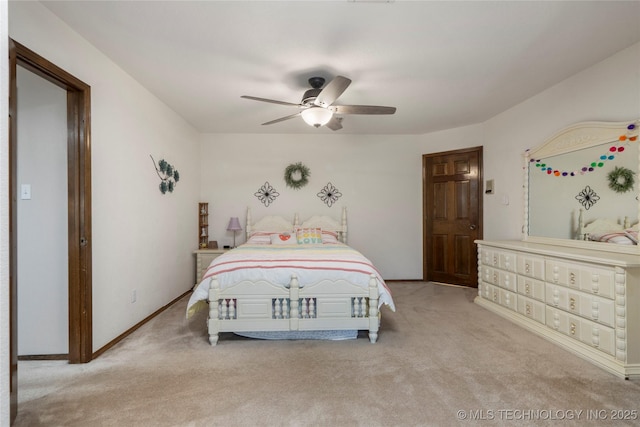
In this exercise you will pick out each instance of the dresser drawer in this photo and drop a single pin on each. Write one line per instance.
(557, 296)
(490, 274)
(531, 308)
(531, 288)
(508, 281)
(598, 281)
(504, 260)
(490, 292)
(586, 305)
(509, 299)
(508, 261)
(489, 257)
(590, 333)
(499, 296)
(530, 266)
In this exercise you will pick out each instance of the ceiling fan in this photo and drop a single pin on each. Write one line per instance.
(317, 108)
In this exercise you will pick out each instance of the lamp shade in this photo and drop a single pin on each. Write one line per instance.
(316, 116)
(234, 224)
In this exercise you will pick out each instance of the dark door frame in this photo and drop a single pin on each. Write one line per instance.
(79, 205)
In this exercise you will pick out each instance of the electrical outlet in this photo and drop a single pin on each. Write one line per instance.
(134, 296)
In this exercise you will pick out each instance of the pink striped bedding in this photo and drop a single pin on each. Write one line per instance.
(276, 263)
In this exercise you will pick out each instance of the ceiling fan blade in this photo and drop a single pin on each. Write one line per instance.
(281, 119)
(335, 123)
(332, 91)
(362, 109)
(272, 101)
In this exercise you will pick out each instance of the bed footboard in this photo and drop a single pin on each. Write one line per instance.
(262, 306)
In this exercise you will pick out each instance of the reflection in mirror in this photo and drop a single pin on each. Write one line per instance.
(555, 202)
(583, 185)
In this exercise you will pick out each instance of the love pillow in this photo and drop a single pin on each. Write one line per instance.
(283, 239)
(309, 235)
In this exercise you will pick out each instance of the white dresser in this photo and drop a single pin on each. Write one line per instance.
(584, 300)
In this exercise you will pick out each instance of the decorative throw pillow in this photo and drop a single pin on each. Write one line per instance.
(283, 239)
(307, 236)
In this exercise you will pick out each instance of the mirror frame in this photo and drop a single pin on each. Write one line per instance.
(576, 137)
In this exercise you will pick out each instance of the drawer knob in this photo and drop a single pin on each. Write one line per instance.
(572, 303)
(572, 328)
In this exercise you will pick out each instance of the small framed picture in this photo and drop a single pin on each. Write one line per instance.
(213, 244)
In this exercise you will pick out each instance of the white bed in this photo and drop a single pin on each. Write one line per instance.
(607, 230)
(263, 286)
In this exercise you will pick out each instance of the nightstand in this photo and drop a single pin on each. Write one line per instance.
(204, 258)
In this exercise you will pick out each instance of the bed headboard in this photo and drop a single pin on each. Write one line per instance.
(604, 227)
(271, 223)
(275, 223)
(327, 223)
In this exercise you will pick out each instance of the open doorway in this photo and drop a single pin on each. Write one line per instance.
(42, 218)
(78, 115)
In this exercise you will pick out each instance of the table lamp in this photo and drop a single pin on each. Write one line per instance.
(234, 225)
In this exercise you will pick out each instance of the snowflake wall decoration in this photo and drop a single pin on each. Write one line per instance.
(587, 197)
(329, 194)
(266, 194)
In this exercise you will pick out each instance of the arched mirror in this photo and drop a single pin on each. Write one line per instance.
(581, 188)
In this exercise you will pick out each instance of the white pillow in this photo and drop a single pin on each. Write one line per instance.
(283, 239)
(329, 237)
(259, 238)
(618, 238)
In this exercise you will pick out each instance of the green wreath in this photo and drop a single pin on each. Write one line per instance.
(621, 179)
(291, 174)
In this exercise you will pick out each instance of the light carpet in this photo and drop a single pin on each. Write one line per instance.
(440, 360)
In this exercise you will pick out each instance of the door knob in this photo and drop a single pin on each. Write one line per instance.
(472, 227)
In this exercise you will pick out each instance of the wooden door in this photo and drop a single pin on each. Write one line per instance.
(452, 214)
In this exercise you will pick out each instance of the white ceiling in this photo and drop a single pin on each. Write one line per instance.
(442, 64)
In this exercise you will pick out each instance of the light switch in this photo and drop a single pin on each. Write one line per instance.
(488, 186)
(25, 192)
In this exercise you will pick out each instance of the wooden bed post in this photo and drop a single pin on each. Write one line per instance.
(214, 322)
(248, 225)
(374, 314)
(294, 295)
(344, 225)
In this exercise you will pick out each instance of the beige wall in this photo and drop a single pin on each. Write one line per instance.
(142, 240)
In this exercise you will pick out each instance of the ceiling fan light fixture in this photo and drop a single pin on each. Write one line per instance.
(316, 116)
